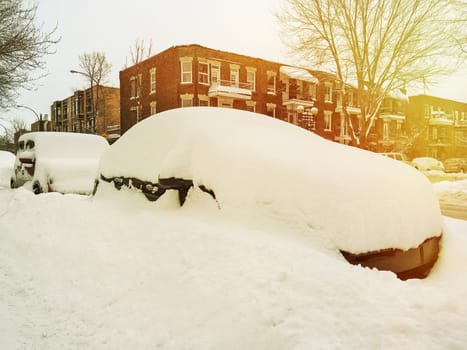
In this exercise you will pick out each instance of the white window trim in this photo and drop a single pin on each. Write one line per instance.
(271, 106)
(272, 74)
(152, 81)
(326, 126)
(328, 85)
(186, 97)
(208, 74)
(235, 74)
(203, 98)
(251, 104)
(132, 91)
(153, 107)
(252, 82)
(214, 72)
(182, 72)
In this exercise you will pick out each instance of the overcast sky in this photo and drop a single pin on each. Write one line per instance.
(242, 26)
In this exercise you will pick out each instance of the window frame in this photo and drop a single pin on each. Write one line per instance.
(152, 80)
(186, 72)
(327, 117)
(273, 75)
(206, 74)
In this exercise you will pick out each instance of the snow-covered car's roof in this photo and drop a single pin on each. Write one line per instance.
(261, 168)
(66, 144)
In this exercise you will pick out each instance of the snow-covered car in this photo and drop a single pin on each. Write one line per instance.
(376, 212)
(427, 164)
(455, 165)
(7, 161)
(58, 161)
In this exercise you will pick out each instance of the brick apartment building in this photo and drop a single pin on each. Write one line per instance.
(89, 111)
(193, 75)
(439, 126)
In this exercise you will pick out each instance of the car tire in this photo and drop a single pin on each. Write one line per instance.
(12, 183)
(36, 187)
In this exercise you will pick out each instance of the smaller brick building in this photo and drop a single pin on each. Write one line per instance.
(89, 111)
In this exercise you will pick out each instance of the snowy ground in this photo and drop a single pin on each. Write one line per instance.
(75, 276)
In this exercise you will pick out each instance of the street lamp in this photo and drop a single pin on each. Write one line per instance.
(91, 79)
(38, 117)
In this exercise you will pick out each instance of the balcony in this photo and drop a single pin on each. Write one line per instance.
(349, 109)
(441, 121)
(230, 89)
(295, 99)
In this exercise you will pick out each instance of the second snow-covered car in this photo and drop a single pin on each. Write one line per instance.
(257, 169)
(58, 161)
(427, 164)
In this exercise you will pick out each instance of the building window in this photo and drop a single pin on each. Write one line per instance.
(328, 92)
(203, 100)
(428, 110)
(203, 73)
(434, 133)
(327, 120)
(350, 99)
(251, 78)
(132, 87)
(251, 106)
(271, 89)
(271, 109)
(187, 70)
(234, 75)
(215, 73)
(186, 100)
(152, 80)
(312, 90)
(386, 130)
(343, 126)
(153, 107)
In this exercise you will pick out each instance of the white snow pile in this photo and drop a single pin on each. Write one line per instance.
(82, 273)
(7, 162)
(452, 192)
(263, 169)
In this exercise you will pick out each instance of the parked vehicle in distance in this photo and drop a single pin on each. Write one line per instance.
(427, 164)
(212, 155)
(397, 156)
(7, 161)
(58, 161)
(455, 165)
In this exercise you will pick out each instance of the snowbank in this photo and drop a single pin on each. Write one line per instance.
(7, 161)
(125, 275)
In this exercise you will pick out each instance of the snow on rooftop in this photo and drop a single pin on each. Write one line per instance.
(299, 73)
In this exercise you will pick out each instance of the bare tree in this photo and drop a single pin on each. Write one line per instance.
(377, 45)
(139, 52)
(95, 67)
(9, 130)
(23, 46)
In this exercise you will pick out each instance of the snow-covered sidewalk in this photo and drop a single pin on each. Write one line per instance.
(77, 273)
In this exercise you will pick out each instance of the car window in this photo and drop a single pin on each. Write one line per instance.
(30, 144)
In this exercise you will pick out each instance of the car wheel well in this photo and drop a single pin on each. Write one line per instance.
(36, 187)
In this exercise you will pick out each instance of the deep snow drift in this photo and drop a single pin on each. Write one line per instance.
(77, 272)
